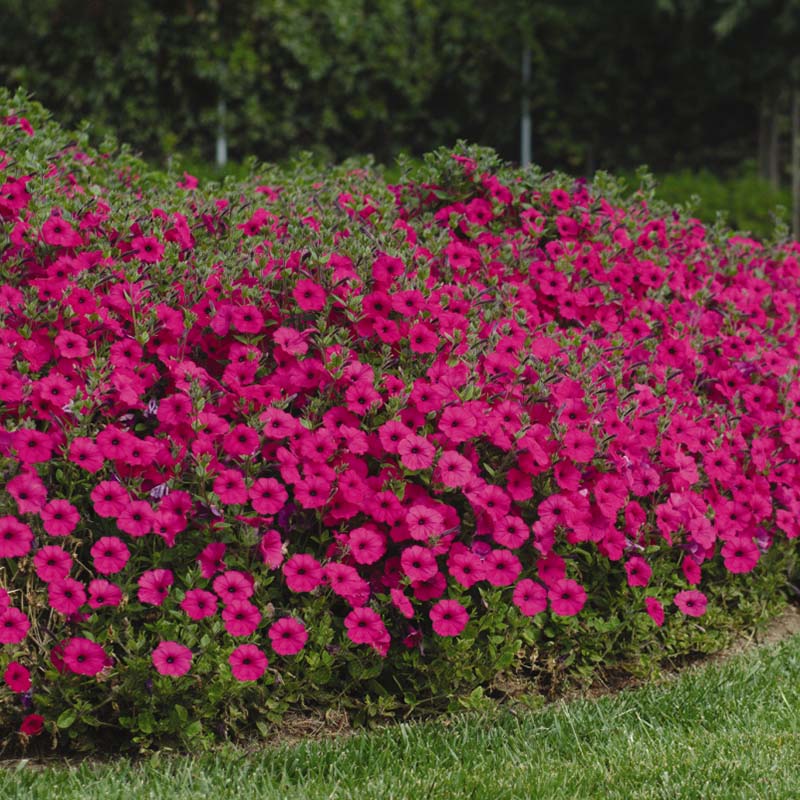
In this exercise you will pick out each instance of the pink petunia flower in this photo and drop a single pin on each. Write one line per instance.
(740, 554)
(655, 610)
(66, 595)
(639, 571)
(345, 581)
(418, 563)
(431, 588)
(611, 495)
(52, 562)
(511, 532)
(364, 626)
(466, 567)
(154, 586)
(211, 559)
(233, 585)
(449, 618)
(29, 491)
(15, 538)
(242, 440)
(288, 636)
(247, 319)
(502, 567)
(530, 597)
(691, 602)
(422, 339)
(278, 424)
(86, 454)
(137, 519)
(362, 397)
(416, 452)
(17, 677)
(551, 568)
(309, 296)
(83, 656)
(567, 597)
(32, 725)
(14, 626)
(303, 573)
(59, 517)
(453, 470)
(103, 593)
(71, 345)
(385, 507)
(241, 618)
(199, 604)
(579, 446)
(366, 545)
(391, 433)
(491, 499)
(110, 555)
(229, 486)
(171, 658)
(424, 523)
(248, 663)
(110, 499)
(313, 492)
(458, 424)
(270, 548)
(32, 446)
(267, 496)
(555, 510)
(147, 249)
(402, 603)
(691, 571)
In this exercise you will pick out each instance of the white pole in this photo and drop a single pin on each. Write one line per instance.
(796, 162)
(222, 141)
(525, 130)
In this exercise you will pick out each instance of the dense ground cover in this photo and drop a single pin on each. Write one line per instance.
(659, 741)
(312, 439)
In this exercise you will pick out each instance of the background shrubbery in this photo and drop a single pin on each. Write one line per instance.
(745, 201)
(674, 84)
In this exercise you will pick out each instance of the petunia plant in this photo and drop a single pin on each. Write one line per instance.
(311, 438)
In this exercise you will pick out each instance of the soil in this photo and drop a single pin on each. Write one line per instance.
(782, 627)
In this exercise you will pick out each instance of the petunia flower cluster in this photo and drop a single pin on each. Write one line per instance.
(219, 407)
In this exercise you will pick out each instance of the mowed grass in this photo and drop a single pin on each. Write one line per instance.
(729, 730)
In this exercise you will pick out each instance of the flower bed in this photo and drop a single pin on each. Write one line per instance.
(312, 439)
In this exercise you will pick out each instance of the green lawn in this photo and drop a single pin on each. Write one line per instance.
(723, 731)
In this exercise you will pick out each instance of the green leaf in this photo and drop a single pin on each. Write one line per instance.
(146, 721)
(67, 718)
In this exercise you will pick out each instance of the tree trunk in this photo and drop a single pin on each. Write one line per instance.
(796, 161)
(591, 161)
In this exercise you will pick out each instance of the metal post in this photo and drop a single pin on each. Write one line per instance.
(796, 161)
(222, 141)
(525, 130)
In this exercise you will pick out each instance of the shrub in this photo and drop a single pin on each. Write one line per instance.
(748, 203)
(310, 439)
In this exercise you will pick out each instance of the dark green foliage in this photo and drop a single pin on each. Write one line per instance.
(613, 84)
